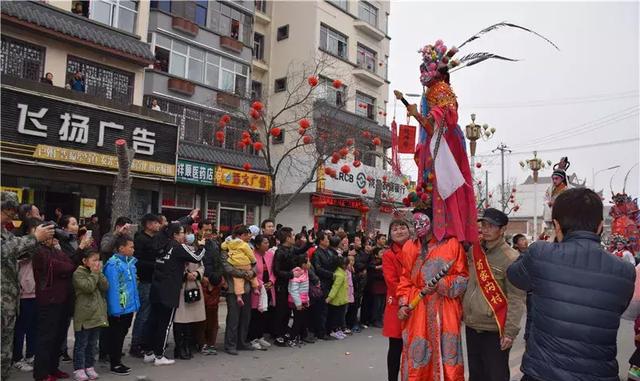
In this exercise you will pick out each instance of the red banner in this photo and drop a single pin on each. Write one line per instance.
(407, 139)
(490, 288)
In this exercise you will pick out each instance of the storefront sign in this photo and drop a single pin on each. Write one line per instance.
(87, 207)
(191, 172)
(234, 178)
(364, 177)
(39, 128)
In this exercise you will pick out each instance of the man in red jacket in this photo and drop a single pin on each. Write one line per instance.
(391, 269)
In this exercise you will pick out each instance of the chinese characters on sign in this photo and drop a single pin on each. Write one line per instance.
(194, 173)
(40, 128)
(143, 140)
(233, 178)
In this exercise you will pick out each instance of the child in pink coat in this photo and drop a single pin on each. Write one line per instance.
(299, 297)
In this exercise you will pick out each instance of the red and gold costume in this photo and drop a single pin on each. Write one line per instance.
(431, 335)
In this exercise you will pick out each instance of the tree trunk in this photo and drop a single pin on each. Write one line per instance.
(121, 206)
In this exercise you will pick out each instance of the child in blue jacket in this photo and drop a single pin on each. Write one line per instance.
(122, 299)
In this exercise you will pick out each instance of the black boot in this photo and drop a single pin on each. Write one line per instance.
(186, 345)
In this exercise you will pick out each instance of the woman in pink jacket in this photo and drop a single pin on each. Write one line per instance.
(261, 321)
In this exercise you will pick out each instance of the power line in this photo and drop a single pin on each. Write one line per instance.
(612, 142)
(585, 127)
(561, 101)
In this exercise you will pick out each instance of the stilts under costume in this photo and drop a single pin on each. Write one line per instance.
(432, 348)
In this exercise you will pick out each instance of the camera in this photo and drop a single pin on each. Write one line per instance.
(59, 233)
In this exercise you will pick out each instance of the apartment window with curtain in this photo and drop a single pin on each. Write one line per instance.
(119, 14)
(326, 91)
(21, 59)
(195, 11)
(186, 61)
(365, 105)
(368, 13)
(258, 46)
(231, 22)
(261, 6)
(367, 58)
(333, 41)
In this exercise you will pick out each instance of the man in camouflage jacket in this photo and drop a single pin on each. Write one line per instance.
(12, 249)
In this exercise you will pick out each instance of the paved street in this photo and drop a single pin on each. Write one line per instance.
(361, 357)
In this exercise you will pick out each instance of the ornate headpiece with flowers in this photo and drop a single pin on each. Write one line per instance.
(437, 60)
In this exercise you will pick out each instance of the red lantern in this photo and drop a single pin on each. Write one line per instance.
(220, 136)
(221, 123)
(337, 83)
(254, 113)
(376, 141)
(225, 118)
(257, 106)
(246, 135)
(345, 169)
(364, 191)
(369, 178)
(364, 209)
(301, 131)
(313, 80)
(350, 142)
(335, 156)
(327, 171)
(307, 139)
(253, 127)
(344, 151)
(357, 163)
(384, 179)
(275, 131)
(335, 160)
(242, 144)
(258, 146)
(246, 166)
(304, 123)
(366, 134)
(478, 165)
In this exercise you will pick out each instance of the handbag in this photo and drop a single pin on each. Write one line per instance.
(315, 290)
(263, 302)
(192, 295)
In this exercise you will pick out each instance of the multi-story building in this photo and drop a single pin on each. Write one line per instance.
(202, 71)
(349, 38)
(58, 135)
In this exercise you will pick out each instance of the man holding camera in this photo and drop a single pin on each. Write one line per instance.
(12, 249)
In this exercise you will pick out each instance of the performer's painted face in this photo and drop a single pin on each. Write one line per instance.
(422, 224)
(557, 180)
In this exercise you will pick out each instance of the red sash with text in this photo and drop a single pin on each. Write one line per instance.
(490, 288)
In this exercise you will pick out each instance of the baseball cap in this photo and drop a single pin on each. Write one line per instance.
(494, 217)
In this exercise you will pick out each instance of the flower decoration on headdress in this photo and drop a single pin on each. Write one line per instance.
(437, 60)
(618, 238)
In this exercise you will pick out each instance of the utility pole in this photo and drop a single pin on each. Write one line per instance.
(502, 148)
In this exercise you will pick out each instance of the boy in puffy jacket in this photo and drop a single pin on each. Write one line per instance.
(122, 299)
(299, 296)
(242, 258)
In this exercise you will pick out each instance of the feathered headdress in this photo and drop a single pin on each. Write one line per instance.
(618, 238)
(437, 60)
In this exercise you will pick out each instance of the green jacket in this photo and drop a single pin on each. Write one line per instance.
(91, 304)
(477, 312)
(339, 294)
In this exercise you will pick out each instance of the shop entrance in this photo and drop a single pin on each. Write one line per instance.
(333, 222)
(69, 203)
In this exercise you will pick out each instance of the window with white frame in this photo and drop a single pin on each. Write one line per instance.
(367, 58)
(258, 46)
(186, 61)
(368, 13)
(341, 4)
(365, 105)
(119, 14)
(333, 41)
(333, 96)
(231, 22)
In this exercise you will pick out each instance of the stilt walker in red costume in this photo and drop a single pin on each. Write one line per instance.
(434, 266)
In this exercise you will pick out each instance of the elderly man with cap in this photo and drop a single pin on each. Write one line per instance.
(493, 307)
(12, 249)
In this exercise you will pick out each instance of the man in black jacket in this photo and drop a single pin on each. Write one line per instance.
(213, 271)
(282, 267)
(578, 293)
(146, 253)
(325, 264)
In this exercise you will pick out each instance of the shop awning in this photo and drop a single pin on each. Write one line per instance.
(220, 156)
